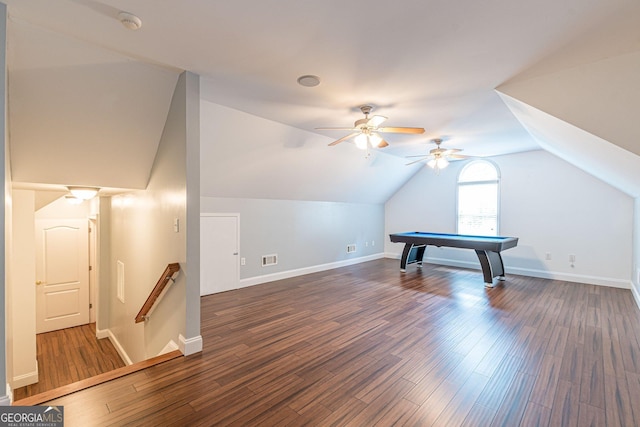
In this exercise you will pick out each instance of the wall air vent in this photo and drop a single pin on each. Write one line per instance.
(120, 281)
(351, 248)
(268, 260)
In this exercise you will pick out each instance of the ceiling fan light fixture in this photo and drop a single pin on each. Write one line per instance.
(83, 193)
(361, 141)
(438, 163)
(442, 163)
(73, 200)
(375, 140)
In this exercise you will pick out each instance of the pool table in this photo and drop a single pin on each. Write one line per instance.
(487, 248)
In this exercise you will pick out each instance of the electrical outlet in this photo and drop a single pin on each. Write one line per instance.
(366, 244)
(243, 261)
(572, 258)
(373, 243)
(547, 256)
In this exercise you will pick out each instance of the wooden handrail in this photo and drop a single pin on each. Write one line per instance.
(157, 290)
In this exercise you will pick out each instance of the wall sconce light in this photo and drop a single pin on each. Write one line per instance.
(83, 193)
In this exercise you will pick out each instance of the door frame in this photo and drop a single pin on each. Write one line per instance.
(235, 215)
(94, 272)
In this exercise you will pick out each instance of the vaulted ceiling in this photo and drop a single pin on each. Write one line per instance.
(88, 98)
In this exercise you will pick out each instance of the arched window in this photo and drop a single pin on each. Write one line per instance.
(478, 191)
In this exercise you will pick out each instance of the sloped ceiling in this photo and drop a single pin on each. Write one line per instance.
(602, 98)
(245, 156)
(82, 115)
(608, 162)
(587, 115)
(88, 98)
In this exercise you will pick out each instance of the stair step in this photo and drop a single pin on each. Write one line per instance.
(64, 390)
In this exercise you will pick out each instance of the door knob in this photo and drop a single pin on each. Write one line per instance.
(39, 282)
(235, 253)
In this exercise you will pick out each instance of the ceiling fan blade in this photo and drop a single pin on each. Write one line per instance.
(382, 144)
(338, 141)
(416, 161)
(334, 129)
(420, 155)
(457, 157)
(401, 130)
(376, 121)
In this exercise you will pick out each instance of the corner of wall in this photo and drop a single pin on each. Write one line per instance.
(5, 214)
(636, 293)
(190, 346)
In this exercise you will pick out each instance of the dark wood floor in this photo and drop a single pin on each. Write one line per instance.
(368, 346)
(69, 355)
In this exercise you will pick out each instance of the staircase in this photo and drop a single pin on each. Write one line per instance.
(93, 381)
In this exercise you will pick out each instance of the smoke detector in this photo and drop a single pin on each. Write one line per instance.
(129, 20)
(309, 80)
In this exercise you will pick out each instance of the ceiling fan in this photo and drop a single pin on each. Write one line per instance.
(367, 131)
(439, 157)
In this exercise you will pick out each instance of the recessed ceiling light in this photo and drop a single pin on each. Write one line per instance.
(129, 20)
(309, 80)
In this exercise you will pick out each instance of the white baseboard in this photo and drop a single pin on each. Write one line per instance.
(26, 379)
(636, 294)
(102, 333)
(190, 346)
(106, 333)
(569, 277)
(530, 272)
(257, 280)
(8, 398)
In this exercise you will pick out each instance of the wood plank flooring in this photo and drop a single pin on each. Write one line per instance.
(366, 345)
(69, 355)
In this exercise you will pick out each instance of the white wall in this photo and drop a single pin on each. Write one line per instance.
(143, 238)
(304, 234)
(23, 295)
(61, 209)
(548, 204)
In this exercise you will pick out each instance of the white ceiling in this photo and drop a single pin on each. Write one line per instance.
(76, 74)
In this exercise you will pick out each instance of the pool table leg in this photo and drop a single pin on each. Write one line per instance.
(492, 266)
(411, 254)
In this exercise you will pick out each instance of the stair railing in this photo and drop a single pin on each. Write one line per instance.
(167, 275)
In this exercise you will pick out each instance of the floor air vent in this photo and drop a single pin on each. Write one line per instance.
(269, 260)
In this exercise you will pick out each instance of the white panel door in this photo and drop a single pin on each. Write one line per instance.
(62, 274)
(219, 246)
